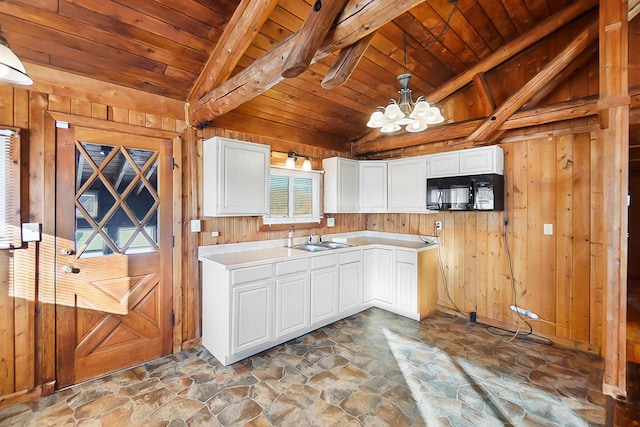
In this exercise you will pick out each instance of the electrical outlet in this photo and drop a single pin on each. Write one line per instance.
(438, 225)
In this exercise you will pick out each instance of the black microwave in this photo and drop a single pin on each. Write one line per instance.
(466, 193)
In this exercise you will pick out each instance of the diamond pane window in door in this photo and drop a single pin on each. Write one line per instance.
(116, 200)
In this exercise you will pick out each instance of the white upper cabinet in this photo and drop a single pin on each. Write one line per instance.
(407, 184)
(340, 185)
(372, 190)
(482, 160)
(473, 161)
(235, 178)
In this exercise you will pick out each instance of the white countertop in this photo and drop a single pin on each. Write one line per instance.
(238, 255)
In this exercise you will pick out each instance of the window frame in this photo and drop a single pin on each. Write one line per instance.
(316, 215)
(11, 182)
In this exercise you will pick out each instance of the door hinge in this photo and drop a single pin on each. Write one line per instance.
(173, 163)
(173, 241)
(173, 318)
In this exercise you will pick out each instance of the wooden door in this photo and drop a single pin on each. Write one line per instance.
(113, 252)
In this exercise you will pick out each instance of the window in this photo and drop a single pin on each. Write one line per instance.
(294, 197)
(9, 189)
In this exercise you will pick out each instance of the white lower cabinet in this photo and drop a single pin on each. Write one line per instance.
(292, 297)
(324, 288)
(250, 309)
(350, 281)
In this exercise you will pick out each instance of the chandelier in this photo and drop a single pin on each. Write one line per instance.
(415, 116)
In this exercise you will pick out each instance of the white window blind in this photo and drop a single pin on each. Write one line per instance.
(294, 197)
(9, 189)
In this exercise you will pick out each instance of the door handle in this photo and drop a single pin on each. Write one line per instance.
(68, 269)
(66, 251)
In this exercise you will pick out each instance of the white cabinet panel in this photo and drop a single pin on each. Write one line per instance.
(324, 294)
(482, 160)
(235, 177)
(340, 185)
(252, 312)
(407, 184)
(372, 192)
(406, 281)
(444, 164)
(350, 285)
(292, 303)
(378, 275)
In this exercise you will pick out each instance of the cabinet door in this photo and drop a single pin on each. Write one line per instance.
(350, 286)
(445, 164)
(481, 160)
(292, 304)
(372, 192)
(406, 289)
(347, 185)
(324, 294)
(252, 315)
(235, 177)
(385, 276)
(370, 274)
(407, 185)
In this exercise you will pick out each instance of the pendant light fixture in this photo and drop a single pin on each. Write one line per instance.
(414, 116)
(11, 68)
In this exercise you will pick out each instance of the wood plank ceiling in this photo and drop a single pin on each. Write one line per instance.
(161, 47)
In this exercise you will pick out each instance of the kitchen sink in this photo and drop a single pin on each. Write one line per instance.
(334, 245)
(311, 247)
(324, 246)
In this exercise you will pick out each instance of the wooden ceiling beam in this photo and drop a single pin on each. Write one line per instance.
(514, 47)
(346, 62)
(516, 101)
(562, 76)
(308, 39)
(238, 34)
(358, 19)
(484, 92)
(634, 9)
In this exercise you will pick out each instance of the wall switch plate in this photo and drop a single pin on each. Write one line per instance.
(548, 229)
(31, 232)
(195, 226)
(215, 234)
(331, 222)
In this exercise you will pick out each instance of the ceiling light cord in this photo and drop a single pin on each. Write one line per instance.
(444, 30)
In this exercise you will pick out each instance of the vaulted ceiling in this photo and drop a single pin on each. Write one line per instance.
(161, 47)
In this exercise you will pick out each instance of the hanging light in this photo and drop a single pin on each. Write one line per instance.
(414, 116)
(11, 68)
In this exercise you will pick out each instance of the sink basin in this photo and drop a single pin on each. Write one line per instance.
(334, 245)
(315, 247)
(310, 247)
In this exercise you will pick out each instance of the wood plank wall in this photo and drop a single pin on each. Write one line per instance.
(552, 179)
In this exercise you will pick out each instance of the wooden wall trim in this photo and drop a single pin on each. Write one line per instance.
(111, 126)
(61, 83)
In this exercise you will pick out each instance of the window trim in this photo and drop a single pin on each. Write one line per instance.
(316, 215)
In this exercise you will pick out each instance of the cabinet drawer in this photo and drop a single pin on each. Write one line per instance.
(251, 274)
(324, 261)
(289, 267)
(348, 257)
(406, 256)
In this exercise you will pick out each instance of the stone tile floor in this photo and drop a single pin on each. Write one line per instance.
(373, 369)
